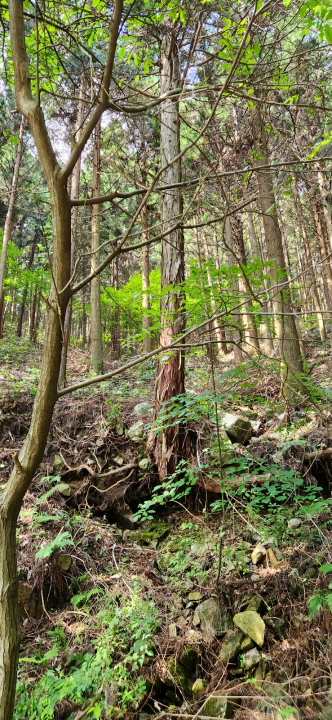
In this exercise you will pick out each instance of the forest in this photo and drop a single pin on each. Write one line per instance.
(165, 359)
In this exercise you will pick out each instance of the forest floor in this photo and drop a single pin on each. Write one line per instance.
(133, 617)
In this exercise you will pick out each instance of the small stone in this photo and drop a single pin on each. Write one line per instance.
(142, 409)
(198, 687)
(28, 601)
(251, 658)
(64, 562)
(231, 647)
(237, 428)
(294, 523)
(119, 460)
(136, 431)
(172, 631)
(119, 427)
(255, 578)
(194, 637)
(258, 553)
(247, 644)
(144, 464)
(66, 490)
(252, 625)
(194, 596)
(57, 463)
(209, 616)
(271, 558)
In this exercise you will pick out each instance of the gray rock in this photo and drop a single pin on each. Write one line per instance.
(119, 427)
(136, 431)
(208, 615)
(142, 409)
(231, 646)
(28, 601)
(119, 460)
(144, 464)
(252, 625)
(251, 658)
(294, 523)
(172, 631)
(237, 428)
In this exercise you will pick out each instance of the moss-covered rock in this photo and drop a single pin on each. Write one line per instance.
(188, 658)
(252, 625)
(218, 706)
(231, 646)
(150, 535)
(179, 677)
(208, 615)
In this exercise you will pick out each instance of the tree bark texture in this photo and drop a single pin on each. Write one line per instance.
(31, 453)
(74, 194)
(96, 328)
(145, 267)
(7, 233)
(313, 291)
(285, 326)
(170, 375)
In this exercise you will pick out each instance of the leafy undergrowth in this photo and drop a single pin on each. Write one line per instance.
(111, 605)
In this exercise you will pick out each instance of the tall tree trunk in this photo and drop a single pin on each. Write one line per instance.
(236, 333)
(169, 445)
(116, 335)
(325, 204)
(326, 263)
(222, 348)
(25, 289)
(313, 285)
(74, 194)
(257, 254)
(9, 220)
(251, 335)
(145, 267)
(285, 325)
(31, 453)
(96, 329)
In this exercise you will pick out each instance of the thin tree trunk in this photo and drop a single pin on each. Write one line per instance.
(325, 204)
(169, 445)
(74, 194)
(251, 335)
(9, 221)
(215, 323)
(145, 268)
(286, 331)
(96, 329)
(311, 272)
(257, 254)
(236, 332)
(25, 289)
(323, 253)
